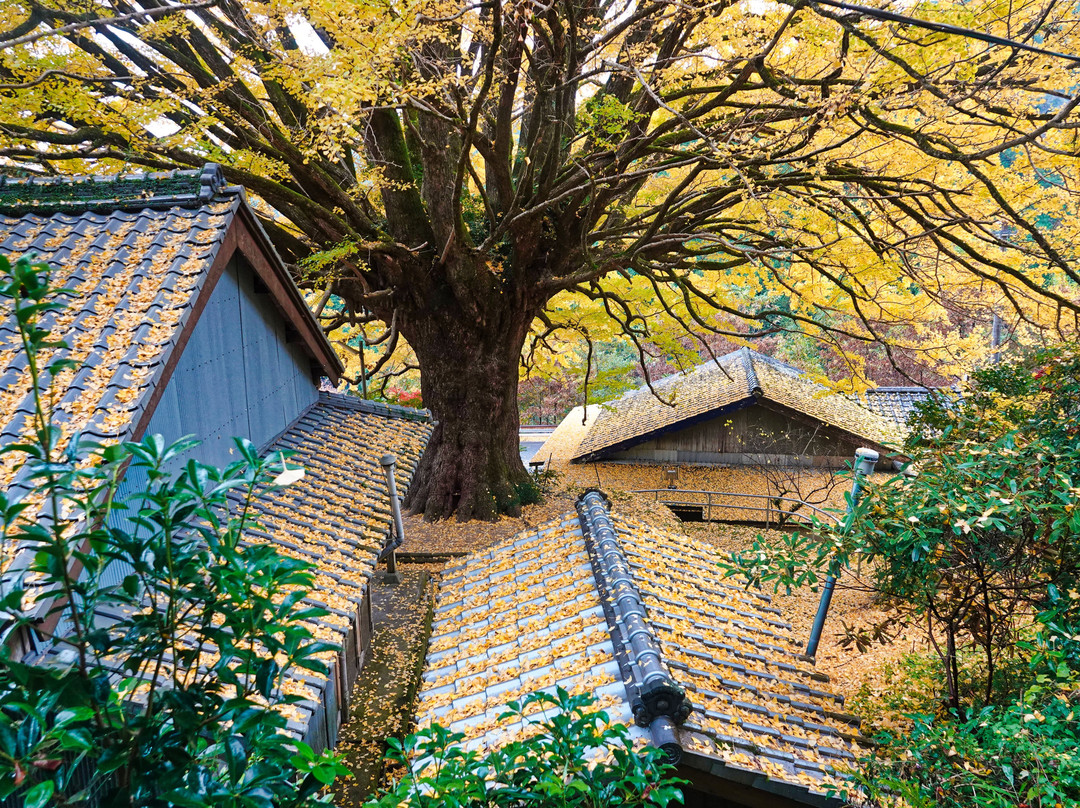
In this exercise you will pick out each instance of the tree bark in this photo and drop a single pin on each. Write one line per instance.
(468, 378)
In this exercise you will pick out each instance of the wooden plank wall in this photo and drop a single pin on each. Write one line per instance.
(237, 376)
(750, 436)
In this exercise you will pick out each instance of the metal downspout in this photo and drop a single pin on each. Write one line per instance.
(865, 460)
(389, 552)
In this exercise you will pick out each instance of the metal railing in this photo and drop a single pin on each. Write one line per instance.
(773, 511)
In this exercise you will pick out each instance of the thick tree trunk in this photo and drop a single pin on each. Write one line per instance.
(469, 378)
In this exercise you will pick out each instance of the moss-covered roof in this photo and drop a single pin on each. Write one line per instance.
(155, 190)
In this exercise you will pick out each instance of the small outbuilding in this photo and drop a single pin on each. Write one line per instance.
(743, 438)
(183, 320)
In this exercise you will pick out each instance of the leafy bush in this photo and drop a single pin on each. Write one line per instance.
(572, 759)
(528, 492)
(1020, 755)
(164, 636)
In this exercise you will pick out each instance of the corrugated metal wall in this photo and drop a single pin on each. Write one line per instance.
(237, 376)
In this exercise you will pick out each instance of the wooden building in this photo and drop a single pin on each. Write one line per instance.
(184, 321)
(742, 409)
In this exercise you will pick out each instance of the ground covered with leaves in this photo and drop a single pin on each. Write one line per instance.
(452, 537)
(382, 699)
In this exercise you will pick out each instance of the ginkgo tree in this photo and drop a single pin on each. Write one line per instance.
(448, 167)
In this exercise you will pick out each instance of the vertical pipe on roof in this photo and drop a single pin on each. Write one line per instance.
(389, 463)
(658, 701)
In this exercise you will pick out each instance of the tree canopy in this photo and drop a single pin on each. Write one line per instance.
(448, 169)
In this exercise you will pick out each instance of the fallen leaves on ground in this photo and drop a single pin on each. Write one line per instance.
(450, 536)
(847, 668)
(382, 698)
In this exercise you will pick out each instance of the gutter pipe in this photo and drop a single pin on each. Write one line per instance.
(389, 463)
(865, 460)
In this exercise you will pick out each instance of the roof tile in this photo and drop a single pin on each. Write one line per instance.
(758, 706)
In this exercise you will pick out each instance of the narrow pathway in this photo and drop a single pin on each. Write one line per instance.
(384, 692)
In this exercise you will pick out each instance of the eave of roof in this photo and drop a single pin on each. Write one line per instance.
(276, 276)
(607, 451)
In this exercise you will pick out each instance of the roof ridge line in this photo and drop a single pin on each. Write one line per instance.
(375, 407)
(80, 193)
(751, 375)
(657, 701)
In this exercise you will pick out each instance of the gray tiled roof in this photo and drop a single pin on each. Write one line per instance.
(134, 275)
(896, 403)
(338, 518)
(136, 263)
(712, 389)
(547, 607)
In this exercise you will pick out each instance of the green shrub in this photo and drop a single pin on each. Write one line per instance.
(983, 541)
(528, 492)
(980, 548)
(574, 759)
(1021, 755)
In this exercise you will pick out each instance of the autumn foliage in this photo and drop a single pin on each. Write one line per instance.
(485, 178)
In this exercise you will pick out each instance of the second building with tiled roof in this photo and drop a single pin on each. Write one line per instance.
(744, 408)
